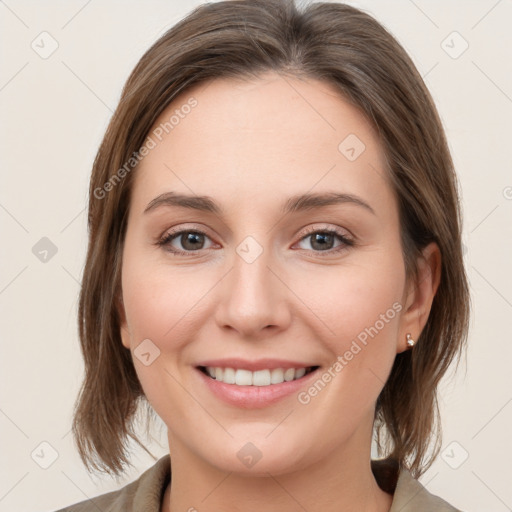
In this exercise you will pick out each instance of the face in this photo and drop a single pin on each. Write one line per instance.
(263, 325)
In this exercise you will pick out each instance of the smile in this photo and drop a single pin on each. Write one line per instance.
(265, 377)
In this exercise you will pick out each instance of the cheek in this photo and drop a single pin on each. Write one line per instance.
(154, 304)
(352, 298)
(159, 306)
(359, 306)
(163, 303)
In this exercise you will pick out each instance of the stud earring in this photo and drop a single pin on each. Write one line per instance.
(410, 341)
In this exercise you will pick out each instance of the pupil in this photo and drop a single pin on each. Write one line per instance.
(192, 239)
(325, 240)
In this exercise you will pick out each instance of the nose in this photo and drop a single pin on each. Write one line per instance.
(254, 300)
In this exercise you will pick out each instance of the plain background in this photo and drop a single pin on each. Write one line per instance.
(54, 112)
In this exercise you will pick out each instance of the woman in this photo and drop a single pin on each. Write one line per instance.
(274, 267)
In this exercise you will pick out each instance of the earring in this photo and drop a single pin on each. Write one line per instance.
(410, 341)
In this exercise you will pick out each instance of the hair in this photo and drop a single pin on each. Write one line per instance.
(342, 46)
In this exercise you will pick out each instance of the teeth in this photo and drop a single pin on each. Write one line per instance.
(261, 378)
(258, 378)
(277, 376)
(229, 376)
(289, 374)
(300, 373)
(242, 378)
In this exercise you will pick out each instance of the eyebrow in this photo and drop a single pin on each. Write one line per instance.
(295, 203)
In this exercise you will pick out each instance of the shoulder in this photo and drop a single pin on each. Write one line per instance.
(410, 495)
(145, 493)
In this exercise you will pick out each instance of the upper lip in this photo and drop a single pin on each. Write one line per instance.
(254, 365)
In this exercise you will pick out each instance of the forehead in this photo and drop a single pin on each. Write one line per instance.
(253, 138)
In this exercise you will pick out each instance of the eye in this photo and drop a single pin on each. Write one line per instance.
(185, 241)
(189, 241)
(324, 240)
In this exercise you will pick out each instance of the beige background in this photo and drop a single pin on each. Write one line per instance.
(54, 111)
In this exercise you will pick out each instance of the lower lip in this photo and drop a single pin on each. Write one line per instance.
(254, 397)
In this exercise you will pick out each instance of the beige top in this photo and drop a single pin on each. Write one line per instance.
(146, 493)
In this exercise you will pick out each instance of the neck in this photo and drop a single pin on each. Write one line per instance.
(343, 481)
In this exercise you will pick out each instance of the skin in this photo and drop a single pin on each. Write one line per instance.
(250, 145)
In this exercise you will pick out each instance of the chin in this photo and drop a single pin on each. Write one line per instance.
(260, 455)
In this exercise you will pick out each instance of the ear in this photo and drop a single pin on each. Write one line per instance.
(420, 295)
(123, 325)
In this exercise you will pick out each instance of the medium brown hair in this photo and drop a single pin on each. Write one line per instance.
(331, 42)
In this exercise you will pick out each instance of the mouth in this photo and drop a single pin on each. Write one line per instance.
(254, 383)
(260, 378)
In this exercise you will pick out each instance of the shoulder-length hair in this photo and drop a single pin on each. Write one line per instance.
(331, 42)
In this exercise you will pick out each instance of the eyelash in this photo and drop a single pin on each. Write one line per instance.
(346, 242)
